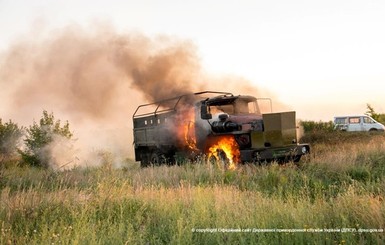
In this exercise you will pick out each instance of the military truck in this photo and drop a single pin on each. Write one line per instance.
(215, 126)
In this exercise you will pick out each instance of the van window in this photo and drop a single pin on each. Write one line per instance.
(341, 120)
(368, 120)
(354, 120)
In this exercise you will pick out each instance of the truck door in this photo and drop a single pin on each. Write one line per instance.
(355, 124)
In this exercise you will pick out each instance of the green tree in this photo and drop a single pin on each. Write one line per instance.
(370, 111)
(38, 138)
(379, 117)
(10, 136)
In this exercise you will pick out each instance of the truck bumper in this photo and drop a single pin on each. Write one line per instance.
(286, 153)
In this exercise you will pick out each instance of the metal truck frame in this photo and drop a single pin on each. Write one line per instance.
(192, 125)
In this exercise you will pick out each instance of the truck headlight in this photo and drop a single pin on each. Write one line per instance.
(304, 150)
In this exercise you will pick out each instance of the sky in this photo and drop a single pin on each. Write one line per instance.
(321, 58)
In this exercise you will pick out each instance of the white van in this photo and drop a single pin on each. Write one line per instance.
(357, 123)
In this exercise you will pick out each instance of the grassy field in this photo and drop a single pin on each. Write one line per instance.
(334, 196)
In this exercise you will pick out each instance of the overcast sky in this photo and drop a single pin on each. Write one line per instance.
(322, 58)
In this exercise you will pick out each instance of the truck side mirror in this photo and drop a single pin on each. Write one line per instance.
(205, 113)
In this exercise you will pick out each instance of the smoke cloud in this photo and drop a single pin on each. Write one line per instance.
(96, 77)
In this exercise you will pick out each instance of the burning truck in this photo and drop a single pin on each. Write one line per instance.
(216, 126)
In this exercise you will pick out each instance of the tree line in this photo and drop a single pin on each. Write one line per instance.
(27, 145)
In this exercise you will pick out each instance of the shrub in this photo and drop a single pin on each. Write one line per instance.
(312, 126)
(10, 135)
(38, 138)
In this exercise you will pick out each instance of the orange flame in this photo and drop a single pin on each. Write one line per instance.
(189, 135)
(186, 132)
(226, 148)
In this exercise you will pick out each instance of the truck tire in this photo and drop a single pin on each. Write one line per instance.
(297, 158)
(145, 160)
(221, 158)
(158, 159)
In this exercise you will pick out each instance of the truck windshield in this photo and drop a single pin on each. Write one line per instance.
(237, 107)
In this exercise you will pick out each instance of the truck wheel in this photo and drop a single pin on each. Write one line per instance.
(222, 156)
(297, 158)
(158, 159)
(211, 160)
(144, 162)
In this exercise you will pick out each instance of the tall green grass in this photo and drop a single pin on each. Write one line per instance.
(340, 185)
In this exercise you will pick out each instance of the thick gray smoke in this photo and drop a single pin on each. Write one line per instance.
(95, 78)
(91, 74)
